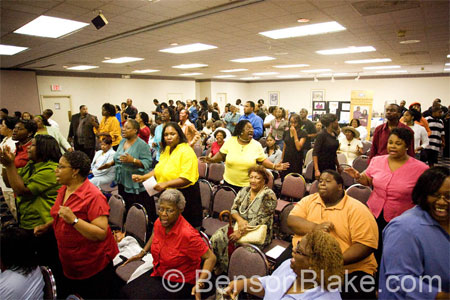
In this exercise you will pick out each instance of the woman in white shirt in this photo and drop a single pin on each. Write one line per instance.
(421, 140)
(350, 146)
(6, 129)
(361, 129)
(103, 156)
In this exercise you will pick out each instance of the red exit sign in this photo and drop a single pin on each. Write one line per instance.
(55, 87)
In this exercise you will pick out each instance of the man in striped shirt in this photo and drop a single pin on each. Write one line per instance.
(437, 137)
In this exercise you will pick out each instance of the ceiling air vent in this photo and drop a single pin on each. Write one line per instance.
(371, 7)
(414, 53)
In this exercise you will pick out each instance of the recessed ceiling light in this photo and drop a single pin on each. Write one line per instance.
(316, 71)
(253, 59)
(145, 71)
(189, 66)
(265, 73)
(382, 67)
(351, 49)
(190, 74)
(410, 42)
(250, 78)
(288, 76)
(82, 67)
(448, 55)
(291, 66)
(447, 64)
(50, 27)
(393, 71)
(303, 20)
(304, 30)
(188, 48)
(368, 61)
(447, 69)
(11, 50)
(233, 70)
(224, 76)
(122, 60)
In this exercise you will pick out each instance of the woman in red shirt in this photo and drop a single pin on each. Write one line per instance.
(177, 250)
(80, 221)
(215, 147)
(144, 130)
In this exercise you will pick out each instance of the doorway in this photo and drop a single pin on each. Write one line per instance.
(62, 111)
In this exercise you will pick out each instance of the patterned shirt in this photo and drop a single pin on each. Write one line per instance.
(437, 132)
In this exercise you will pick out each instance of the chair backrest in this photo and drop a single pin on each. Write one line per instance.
(308, 157)
(245, 262)
(208, 151)
(361, 163)
(262, 141)
(202, 168)
(294, 186)
(309, 172)
(314, 187)
(49, 283)
(198, 150)
(206, 194)
(366, 146)
(117, 211)
(137, 222)
(342, 159)
(270, 183)
(359, 192)
(284, 228)
(223, 199)
(215, 172)
(348, 180)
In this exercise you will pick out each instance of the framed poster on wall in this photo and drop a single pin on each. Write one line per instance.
(317, 95)
(274, 98)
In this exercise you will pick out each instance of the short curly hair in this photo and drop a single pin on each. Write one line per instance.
(261, 171)
(79, 161)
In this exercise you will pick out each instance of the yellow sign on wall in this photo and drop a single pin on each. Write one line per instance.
(361, 108)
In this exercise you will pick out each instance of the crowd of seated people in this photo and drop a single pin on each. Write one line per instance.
(52, 187)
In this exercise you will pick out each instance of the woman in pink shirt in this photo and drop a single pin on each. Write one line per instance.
(393, 177)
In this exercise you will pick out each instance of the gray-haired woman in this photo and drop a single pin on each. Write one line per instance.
(177, 250)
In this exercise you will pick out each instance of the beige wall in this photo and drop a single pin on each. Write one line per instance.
(19, 91)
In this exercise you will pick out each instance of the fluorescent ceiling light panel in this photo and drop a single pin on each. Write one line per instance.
(446, 70)
(393, 71)
(316, 71)
(291, 66)
(253, 59)
(382, 67)
(190, 74)
(145, 71)
(347, 50)
(189, 66)
(11, 50)
(265, 73)
(188, 48)
(288, 76)
(82, 68)
(448, 55)
(50, 27)
(224, 76)
(250, 78)
(122, 60)
(447, 64)
(368, 61)
(233, 70)
(305, 30)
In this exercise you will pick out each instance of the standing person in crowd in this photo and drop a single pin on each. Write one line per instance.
(178, 169)
(209, 114)
(393, 177)
(349, 222)
(421, 140)
(232, 118)
(158, 108)
(273, 152)
(103, 156)
(48, 113)
(216, 108)
(254, 205)
(130, 111)
(123, 118)
(193, 113)
(310, 129)
(383, 131)
(416, 244)
(294, 139)
(220, 125)
(361, 129)
(27, 116)
(257, 122)
(17, 115)
(240, 107)
(165, 118)
(109, 125)
(118, 114)
(225, 111)
(80, 224)
(278, 126)
(423, 122)
(402, 107)
(350, 145)
(44, 128)
(269, 118)
(20, 276)
(144, 130)
(326, 145)
(3, 113)
(171, 106)
(178, 252)
(436, 102)
(23, 133)
(219, 136)
(192, 135)
(6, 130)
(437, 136)
(133, 156)
(81, 131)
(260, 112)
(240, 153)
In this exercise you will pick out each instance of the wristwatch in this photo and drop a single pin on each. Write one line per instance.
(75, 221)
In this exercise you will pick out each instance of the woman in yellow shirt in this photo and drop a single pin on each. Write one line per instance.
(109, 125)
(178, 169)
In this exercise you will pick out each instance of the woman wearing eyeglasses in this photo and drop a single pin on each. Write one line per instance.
(417, 245)
(178, 251)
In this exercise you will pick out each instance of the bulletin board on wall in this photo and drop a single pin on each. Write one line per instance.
(339, 108)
